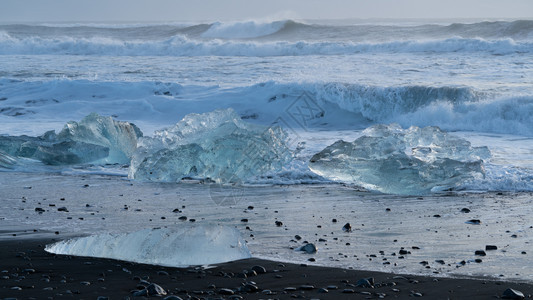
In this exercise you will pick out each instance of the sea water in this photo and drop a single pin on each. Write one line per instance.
(319, 80)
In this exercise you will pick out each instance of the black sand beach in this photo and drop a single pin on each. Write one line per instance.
(28, 272)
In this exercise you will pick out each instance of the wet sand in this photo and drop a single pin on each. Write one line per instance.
(27, 272)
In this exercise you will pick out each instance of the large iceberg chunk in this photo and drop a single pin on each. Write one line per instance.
(392, 160)
(7, 161)
(95, 138)
(217, 145)
(174, 247)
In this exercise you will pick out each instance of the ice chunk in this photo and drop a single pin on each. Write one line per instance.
(95, 138)
(217, 145)
(6, 160)
(392, 160)
(175, 247)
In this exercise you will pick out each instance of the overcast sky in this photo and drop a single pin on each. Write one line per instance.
(223, 10)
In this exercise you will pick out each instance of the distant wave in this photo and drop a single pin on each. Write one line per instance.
(249, 29)
(182, 46)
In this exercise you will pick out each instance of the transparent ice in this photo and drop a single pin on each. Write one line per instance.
(94, 139)
(217, 145)
(392, 160)
(177, 247)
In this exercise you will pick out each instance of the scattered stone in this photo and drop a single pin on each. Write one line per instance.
(297, 237)
(279, 223)
(192, 220)
(244, 220)
(365, 283)
(465, 210)
(478, 260)
(163, 273)
(416, 294)
(440, 261)
(348, 291)
(290, 289)
(347, 227)
(182, 218)
(172, 297)
(480, 253)
(62, 209)
(226, 292)
(85, 283)
(250, 288)
(250, 207)
(473, 222)
(512, 294)
(334, 220)
(308, 248)
(39, 209)
(436, 216)
(332, 287)
(404, 252)
(155, 290)
(306, 287)
(491, 247)
(323, 291)
(259, 269)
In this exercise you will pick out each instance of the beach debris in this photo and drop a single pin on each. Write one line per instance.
(347, 227)
(410, 161)
(308, 248)
(512, 294)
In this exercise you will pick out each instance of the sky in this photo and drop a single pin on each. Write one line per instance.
(233, 10)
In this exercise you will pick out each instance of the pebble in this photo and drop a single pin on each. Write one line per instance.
(473, 222)
(480, 253)
(490, 247)
(39, 209)
(259, 269)
(155, 290)
(465, 210)
(348, 291)
(512, 294)
(226, 292)
(306, 287)
(279, 223)
(323, 290)
(172, 297)
(308, 248)
(244, 220)
(347, 227)
(290, 289)
(365, 283)
(62, 208)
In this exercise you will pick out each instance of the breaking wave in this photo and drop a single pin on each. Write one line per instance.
(183, 46)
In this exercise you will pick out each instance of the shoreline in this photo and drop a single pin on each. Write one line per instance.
(30, 272)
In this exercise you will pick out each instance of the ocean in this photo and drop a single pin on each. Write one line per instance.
(321, 81)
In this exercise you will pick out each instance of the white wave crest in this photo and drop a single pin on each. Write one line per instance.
(180, 45)
(238, 30)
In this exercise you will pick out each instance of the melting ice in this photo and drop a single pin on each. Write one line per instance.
(392, 160)
(177, 247)
(217, 145)
(95, 138)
